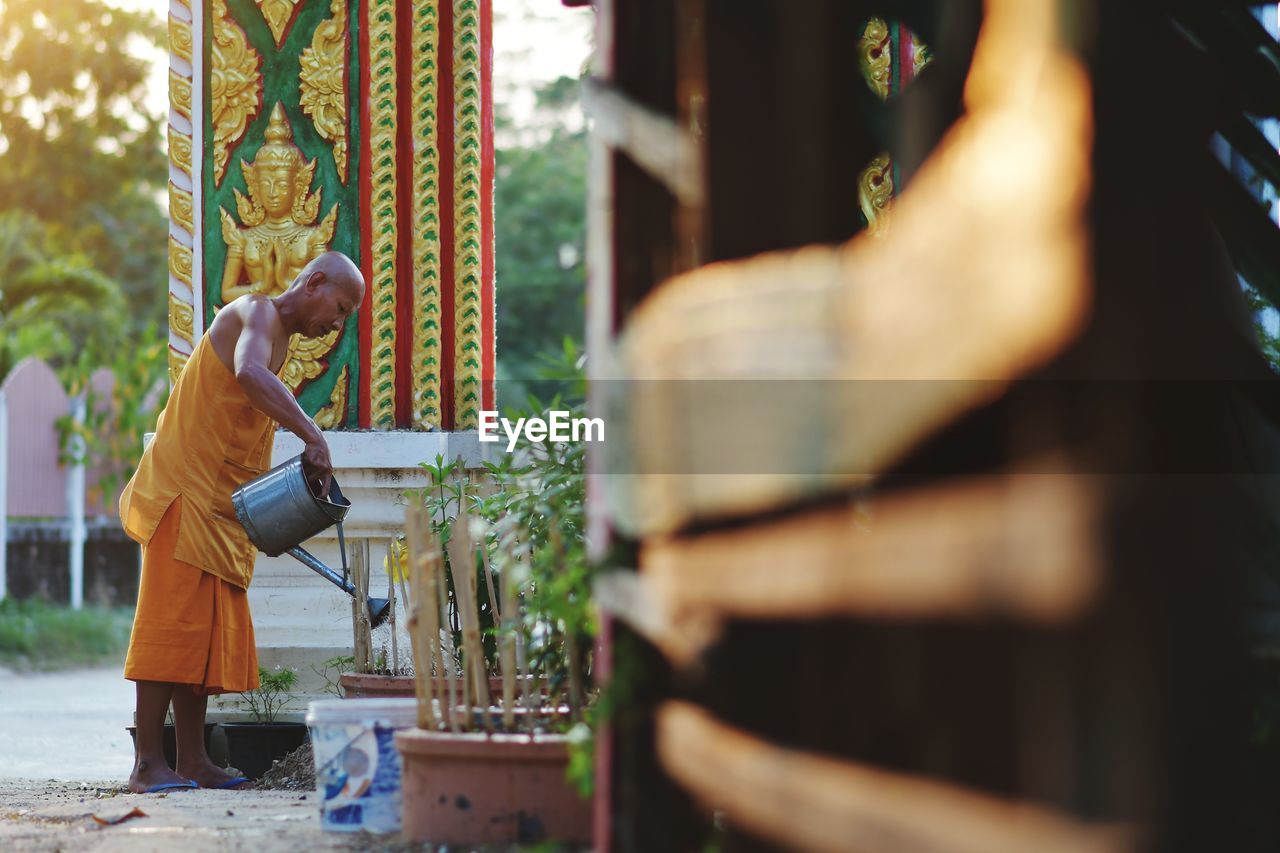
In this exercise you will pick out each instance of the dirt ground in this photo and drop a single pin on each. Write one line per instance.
(64, 756)
(60, 816)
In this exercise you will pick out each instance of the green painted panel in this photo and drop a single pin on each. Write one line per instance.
(280, 71)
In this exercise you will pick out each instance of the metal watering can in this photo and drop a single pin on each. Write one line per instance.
(279, 512)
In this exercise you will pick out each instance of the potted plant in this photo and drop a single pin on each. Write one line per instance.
(490, 766)
(252, 747)
(386, 672)
(382, 673)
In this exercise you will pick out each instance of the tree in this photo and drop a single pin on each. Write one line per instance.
(79, 149)
(49, 302)
(540, 211)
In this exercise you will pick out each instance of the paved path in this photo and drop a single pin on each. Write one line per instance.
(66, 725)
(64, 755)
(40, 817)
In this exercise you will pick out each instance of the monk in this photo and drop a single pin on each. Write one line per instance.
(192, 631)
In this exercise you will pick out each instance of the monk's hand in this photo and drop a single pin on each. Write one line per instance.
(317, 465)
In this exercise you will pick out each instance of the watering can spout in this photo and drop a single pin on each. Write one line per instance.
(379, 608)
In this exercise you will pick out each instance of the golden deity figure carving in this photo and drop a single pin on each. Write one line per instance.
(279, 235)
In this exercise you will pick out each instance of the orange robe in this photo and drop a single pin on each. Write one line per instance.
(192, 624)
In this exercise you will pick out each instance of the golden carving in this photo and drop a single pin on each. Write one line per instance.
(279, 235)
(181, 208)
(382, 216)
(180, 150)
(180, 37)
(921, 55)
(323, 82)
(875, 191)
(180, 261)
(875, 56)
(180, 94)
(426, 216)
(177, 361)
(182, 311)
(467, 196)
(278, 13)
(235, 85)
(181, 318)
(334, 414)
(875, 183)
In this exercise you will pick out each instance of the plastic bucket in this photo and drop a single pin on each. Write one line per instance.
(357, 765)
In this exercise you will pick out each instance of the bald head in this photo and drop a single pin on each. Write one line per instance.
(327, 291)
(339, 271)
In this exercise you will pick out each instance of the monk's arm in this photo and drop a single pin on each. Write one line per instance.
(270, 396)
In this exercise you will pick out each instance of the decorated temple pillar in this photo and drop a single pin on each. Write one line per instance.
(363, 126)
(890, 56)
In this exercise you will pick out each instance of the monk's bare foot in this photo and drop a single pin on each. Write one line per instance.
(206, 774)
(147, 775)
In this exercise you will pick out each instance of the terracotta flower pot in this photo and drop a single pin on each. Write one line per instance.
(359, 685)
(489, 789)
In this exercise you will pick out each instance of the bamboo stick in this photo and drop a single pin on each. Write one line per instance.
(483, 486)
(445, 635)
(462, 561)
(360, 607)
(403, 580)
(424, 621)
(507, 641)
(391, 604)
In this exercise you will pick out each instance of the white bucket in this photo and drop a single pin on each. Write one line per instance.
(357, 765)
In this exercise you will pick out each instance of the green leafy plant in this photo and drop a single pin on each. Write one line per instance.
(110, 436)
(272, 693)
(331, 672)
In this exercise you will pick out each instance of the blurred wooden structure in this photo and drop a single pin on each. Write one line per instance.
(938, 524)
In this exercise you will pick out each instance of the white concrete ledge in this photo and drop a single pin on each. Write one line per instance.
(386, 449)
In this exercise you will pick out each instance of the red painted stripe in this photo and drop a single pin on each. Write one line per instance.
(404, 213)
(488, 317)
(444, 138)
(366, 237)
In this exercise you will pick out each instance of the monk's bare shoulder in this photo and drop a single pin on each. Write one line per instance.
(252, 312)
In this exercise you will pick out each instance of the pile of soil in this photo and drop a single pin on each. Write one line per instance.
(295, 772)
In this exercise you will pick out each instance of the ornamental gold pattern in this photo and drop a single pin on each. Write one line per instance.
(875, 56)
(181, 207)
(235, 85)
(875, 190)
(426, 221)
(180, 261)
(180, 94)
(180, 37)
(278, 14)
(334, 413)
(875, 183)
(177, 361)
(921, 55)
(180, 150)
(181, 306)
(382, 215)
(323, 82)
(467, 214)
(181, 317)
